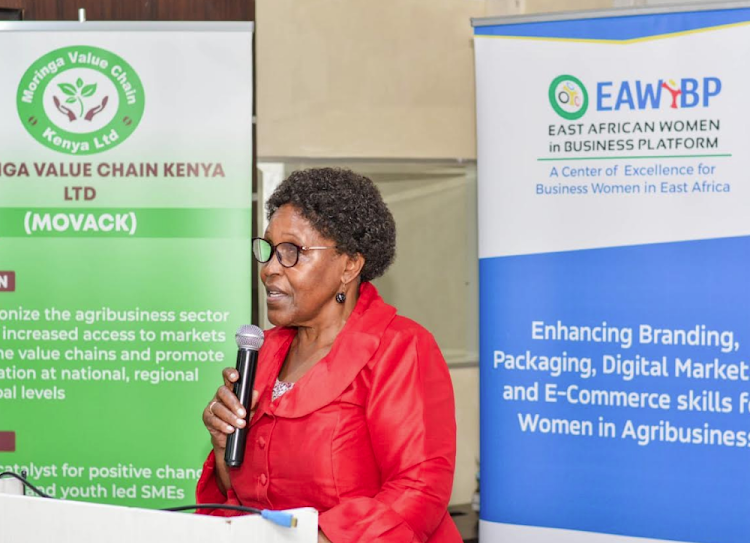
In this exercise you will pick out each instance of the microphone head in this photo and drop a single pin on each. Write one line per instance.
(249, 337)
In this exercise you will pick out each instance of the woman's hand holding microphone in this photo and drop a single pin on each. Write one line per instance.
(222, 416)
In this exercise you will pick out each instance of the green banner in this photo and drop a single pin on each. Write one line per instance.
(125, 266)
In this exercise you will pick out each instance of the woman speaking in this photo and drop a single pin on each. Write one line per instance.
(353, 409)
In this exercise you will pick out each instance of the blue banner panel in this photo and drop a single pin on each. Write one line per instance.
(619, 28)
(616, 390)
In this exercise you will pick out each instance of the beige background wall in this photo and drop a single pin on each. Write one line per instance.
(384, 80)
(364, 78)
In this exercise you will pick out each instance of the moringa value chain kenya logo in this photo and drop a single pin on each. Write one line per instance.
(80, 100)
(568, 97)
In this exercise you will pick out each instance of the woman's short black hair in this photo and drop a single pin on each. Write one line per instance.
(345, 207)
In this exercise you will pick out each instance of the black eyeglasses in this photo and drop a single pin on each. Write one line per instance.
(286, 252)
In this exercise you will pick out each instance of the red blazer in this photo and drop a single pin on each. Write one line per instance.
(367, 436)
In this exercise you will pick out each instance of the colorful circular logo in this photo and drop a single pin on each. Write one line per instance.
(80, 100)
(568, 97)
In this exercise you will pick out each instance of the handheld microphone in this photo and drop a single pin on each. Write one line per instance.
(249, 341)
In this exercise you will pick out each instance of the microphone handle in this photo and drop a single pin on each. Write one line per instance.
(247, 361)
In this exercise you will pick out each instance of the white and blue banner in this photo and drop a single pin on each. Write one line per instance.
(614, 245)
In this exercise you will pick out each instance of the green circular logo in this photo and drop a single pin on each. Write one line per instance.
(80, 100)
(568, 97)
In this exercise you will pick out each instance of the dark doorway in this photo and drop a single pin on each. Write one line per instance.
(128, 10)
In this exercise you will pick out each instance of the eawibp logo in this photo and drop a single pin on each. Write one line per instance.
(80, 100)
(568, 97)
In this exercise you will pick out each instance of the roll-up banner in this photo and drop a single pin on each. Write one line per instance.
(614, 244)
(125, 213)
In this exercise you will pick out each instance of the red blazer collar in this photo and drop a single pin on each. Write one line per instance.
(324, 382)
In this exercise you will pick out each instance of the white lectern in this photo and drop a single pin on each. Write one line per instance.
(30, 519)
